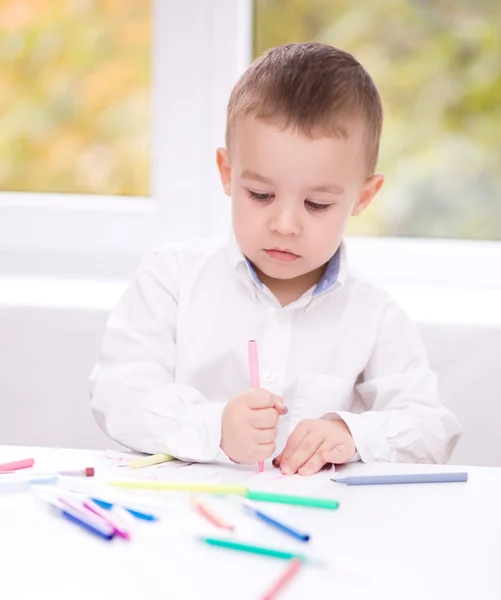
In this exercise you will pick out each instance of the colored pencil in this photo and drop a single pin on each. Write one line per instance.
(222, 489)
(78, 515)
(208, 513)
(87, 472)
(292, 570)
(203, 488)
(21, 484)
(17, 464)
(274, 522)
(409, 478)
(310, 501)
(139, 514)
(148, 461)
(252, 548)
(108, 517)
(94, 525)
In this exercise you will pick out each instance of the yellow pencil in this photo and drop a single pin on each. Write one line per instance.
(203, 488)
(148, 461)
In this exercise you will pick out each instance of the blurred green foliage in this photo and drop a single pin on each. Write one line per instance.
(437, 65)
(75, 96)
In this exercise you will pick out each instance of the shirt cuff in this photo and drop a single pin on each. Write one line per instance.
(200, 435)
(222, 457)
(356, 458)
(370, 443)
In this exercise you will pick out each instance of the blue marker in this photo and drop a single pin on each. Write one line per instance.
(135, 513)
(411, 478)
(83, 518)
(299, 535)
(96, 526)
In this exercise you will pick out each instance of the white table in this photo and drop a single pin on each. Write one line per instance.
(440, 541)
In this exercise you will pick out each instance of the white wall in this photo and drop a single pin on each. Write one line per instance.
(46, 357)
(47, 353)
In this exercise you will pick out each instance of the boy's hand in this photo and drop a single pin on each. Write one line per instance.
(312, 444)
(249, 426)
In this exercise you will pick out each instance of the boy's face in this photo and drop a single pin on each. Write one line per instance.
(292, 196)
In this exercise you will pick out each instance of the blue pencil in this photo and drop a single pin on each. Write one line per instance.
(299, 535)
(410, 478)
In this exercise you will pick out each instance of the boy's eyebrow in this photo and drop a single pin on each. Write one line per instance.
(333, 188)
(252, 175)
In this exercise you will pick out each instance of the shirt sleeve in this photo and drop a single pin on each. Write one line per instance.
(405, 420)
(134, 396)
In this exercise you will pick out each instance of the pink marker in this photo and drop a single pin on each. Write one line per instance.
(113, 520)
(254, 378)
(17, 464)
(88, 506)
(87, 472)
(292, 570)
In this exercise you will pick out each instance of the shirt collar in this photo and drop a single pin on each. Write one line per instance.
(334, 274)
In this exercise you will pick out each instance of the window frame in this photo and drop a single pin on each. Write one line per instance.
(197, 46)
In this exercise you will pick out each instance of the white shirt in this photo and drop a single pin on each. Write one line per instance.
(175, 351)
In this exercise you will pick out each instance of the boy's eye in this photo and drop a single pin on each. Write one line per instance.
(316, 206)
(259, 197)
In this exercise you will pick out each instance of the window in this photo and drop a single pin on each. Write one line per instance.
(437, 66)
(146, 172)
(75, 101)
(137, 90)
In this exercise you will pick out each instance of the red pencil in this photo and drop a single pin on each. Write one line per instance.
(292, 569)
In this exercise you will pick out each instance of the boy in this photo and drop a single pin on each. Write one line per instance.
(343, 371)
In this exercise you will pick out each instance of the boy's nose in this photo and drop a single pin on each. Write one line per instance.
(285, 221)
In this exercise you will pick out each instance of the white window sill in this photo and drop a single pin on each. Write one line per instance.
(449, 305)
(424, 303)
(49, 292)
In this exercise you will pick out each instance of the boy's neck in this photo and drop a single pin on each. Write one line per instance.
(290, 290)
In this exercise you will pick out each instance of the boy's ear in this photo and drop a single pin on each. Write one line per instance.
(223, 164)
(370, 189)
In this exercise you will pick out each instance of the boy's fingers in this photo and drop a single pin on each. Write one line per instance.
(317, 461)
(294, 440)
(263, 418)
(303, 452)
(260, 399)
(338, 455)
(265, 436)
(281, 408)
(264, 451)
(313, 465)
(279, 405)
(263, 399)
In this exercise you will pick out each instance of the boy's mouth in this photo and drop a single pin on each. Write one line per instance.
(281, 255)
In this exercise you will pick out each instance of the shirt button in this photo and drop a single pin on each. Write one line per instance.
(269, 376)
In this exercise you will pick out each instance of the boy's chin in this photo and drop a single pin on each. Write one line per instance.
(281, 272)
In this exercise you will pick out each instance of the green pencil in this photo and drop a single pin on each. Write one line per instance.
(221, 488)
(262, 550)
(297, 500)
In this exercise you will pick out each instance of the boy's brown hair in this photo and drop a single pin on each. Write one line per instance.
(314, 88)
